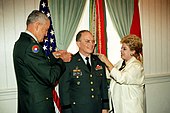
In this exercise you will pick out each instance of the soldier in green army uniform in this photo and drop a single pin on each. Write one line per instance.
(36, 75)
(83, 86)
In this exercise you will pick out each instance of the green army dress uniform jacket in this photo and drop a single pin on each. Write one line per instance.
(36, 76)
(81, 90)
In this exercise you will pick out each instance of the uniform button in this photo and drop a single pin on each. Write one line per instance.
(91, 75)
(101, 74)
(46, 98)
(91, 82)
(77, 76)
(74, 102)
(92, 96)
(78, 83)
(92, 89)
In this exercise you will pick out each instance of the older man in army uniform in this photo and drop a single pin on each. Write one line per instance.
(36, 75)
(83, 86)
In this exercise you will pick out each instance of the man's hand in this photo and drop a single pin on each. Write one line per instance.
(63, 54)
(104, 111)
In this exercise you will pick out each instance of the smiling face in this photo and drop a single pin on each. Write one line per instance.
(126, 53)
(86, 43)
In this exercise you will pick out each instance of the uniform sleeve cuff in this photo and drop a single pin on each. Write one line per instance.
(105, 103)
(66, 106)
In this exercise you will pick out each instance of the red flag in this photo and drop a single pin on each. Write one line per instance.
(135, 27)
(100, 25)
(56, 100)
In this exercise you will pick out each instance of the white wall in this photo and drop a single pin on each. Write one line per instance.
(155, 24)
(13, 14)
(157, 94)
(155, 19)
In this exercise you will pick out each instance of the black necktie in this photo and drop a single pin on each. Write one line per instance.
(123, 65)
(88, 64)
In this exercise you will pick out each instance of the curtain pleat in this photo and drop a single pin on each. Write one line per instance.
(121, 13)
(66, 15)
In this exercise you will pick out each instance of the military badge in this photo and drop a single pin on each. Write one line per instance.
(98, 67)
(77, 72)
(35, 49)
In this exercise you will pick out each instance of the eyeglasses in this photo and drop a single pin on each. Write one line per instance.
(88, 41)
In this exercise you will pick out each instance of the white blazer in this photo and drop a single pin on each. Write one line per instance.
(127, 87)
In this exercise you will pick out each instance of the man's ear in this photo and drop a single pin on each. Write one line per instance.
(78, 43)
(36, 25)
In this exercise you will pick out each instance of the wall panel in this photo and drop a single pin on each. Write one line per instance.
(168, 34)
(3, 78)
(13, 14)
(157, 94)
(158, 35)
(29, 8)
(152, 35)
(20, 23)
(9, 33)
(155, 30)
(144, 14)
(164, 36)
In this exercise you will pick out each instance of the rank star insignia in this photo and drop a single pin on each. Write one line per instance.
(35, 49)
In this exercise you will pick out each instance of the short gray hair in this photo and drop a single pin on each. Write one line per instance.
(36, 15)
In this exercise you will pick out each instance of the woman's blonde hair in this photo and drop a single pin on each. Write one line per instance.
(134, 43)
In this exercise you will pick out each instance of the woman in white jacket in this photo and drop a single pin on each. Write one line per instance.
(127, 78)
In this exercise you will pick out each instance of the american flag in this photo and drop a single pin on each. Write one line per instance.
(50, 46)
(50, 41)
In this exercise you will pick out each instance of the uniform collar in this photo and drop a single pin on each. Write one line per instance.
(84, 58)
(28, 32)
